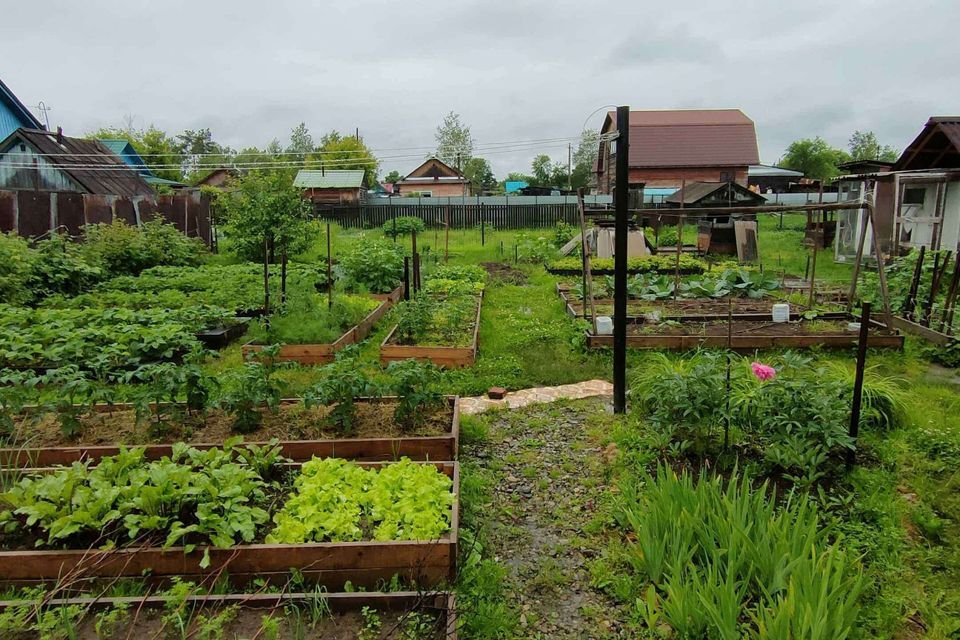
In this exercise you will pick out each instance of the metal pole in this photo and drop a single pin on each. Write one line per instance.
(620, 263)
(858, 381)
(483, 228)
(406, 278)
(416, 261)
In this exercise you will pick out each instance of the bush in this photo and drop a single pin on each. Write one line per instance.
(373, 264)
(59, 268)
(564, 233)
(120, 249)
(403, 226)
(16, 268)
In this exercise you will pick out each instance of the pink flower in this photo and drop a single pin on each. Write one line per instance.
(763, 371)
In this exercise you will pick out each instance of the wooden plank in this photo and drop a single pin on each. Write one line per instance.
(913, 328)
(450, 357)
(442, 447)
(312, 354)
(331, 564)
(746, 343)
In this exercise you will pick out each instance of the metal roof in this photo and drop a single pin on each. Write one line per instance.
(769, 171)
(690, 138)
(694, 192)
(88, 162)
(20, 110)
(336, 179)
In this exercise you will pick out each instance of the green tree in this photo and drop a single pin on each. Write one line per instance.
(546, 173)
(864, 145)
(265, 209)
(814, 157)
(159, 151)
(195, 147)
(454, 141)
(346, 152)
(392, 177)
(584, 158)
(480, 174)
(301, 143)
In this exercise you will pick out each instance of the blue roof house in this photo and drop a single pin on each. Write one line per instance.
(128, 154)
(14, 114)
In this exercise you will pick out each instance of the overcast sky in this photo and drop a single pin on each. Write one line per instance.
(514, 70)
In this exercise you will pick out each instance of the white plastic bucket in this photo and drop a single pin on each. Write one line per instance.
(781, 312)
(604, 325)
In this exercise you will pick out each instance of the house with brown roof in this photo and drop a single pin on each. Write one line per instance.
(37, 160)
(434, 178)
(668, 148)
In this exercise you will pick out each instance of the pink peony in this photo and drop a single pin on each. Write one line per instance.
(763, 371)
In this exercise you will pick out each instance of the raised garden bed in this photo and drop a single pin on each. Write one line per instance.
(830, 332)
(343, 619)
(220, 337)
(365, 564)
(375, 440)
(324, 353)
(451, 357)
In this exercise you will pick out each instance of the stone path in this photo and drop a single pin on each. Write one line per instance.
(525, 397)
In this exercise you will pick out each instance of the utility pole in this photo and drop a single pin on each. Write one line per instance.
(621, 195)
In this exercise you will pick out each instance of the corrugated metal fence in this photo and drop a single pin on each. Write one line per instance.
(34, 213)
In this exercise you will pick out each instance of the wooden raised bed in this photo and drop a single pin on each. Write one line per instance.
(766, 336)
(325, 353)
(451, 357)
(366, 564)
(442, 603)
(441, 447)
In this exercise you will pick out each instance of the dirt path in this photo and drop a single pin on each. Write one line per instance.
(546, 521)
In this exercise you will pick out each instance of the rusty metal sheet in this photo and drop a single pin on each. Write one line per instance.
(123, 210)
(34, 218)
(148, 210)
(70, 212)
(97, 209)
(171, 211)
(8, 215)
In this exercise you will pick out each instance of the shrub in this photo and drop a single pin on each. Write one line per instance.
(403, 226)
(16, 268)
(372, 264)
(120, 249)
(563, 233)
(60, 268)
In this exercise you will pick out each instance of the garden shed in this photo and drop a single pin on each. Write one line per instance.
(917, 201)
(331, 186)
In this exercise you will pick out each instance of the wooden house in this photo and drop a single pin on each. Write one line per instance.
(331, 187)
(128, 154)
(32, 159)
(668, 148)
(14, 114)
(916, 201)
(434, 178)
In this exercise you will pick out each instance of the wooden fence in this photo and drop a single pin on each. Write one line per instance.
(460, 216)
(32, 214)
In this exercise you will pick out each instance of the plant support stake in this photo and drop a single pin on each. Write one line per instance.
(858, 381)
(621, 194)
(329, 271)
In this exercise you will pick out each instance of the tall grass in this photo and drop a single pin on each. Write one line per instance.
(724, 561)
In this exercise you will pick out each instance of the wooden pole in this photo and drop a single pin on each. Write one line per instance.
(406, 277)
(910, 306)
(676, 264)
(446, 241)
(947, 316)
(483, 228)
(813, 271)
(726, 421)
(938, 274)
(283, 276)
(266, 279)
(585, 251)
(854, 429)
(416, 260)
(881, 271)
(620, 262)
(329, 269)
(865, 220)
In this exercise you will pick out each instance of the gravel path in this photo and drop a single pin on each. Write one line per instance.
(546, 520)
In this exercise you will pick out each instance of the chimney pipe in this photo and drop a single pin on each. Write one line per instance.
(59, 135)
